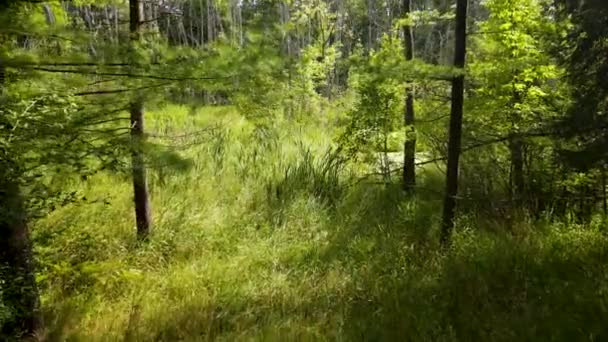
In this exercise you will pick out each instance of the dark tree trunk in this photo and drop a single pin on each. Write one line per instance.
(17, 279)
(604, 199)
(455, 135)
(19, 290)
(516, 146)
(135, 18)
(140, 183)
(369, 44)
(409, 148)
(517, 171)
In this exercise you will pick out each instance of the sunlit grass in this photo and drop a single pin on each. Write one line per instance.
(248, 246)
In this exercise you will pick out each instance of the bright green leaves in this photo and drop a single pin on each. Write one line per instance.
(428, 17)
(515, 91)
(313, 12)
(378, 110)
(316, 64)
(513, 72)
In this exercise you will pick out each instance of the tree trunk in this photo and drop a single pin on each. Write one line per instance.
(516, 144)
(455, 135)
(604, 199)
(201, 27)
(517, 171)
(17, 278)
(19, 290)
(409, 149)
(191, 38)
(209, 23)
(369, 26)
(140, 183)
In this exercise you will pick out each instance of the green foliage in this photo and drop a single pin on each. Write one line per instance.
(320, 179)
(421, 18)
(300, 250)
(518, 81)
(268, 224)
(517, 92)
(378, 110)
(224, 271)
(582, 51)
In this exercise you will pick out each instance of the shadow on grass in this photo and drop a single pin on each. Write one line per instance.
(550, 285)
(552, 288)
(378, 275)
(482, 296)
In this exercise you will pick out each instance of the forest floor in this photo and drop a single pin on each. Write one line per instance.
(262, 235)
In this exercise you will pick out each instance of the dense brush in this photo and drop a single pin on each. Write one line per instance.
(269, 237)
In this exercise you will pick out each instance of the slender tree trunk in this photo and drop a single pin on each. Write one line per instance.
(604, 199)
(287, 19)
(283, 20)
(17, 279)
(140, 182)
(191, 40)
(241, 33)
(369, 25)
(456, 113)
(516, 142)
(409, 149)
(517, 170)
(209, 23)
(201, 24)
(219, 26)
(116, 26)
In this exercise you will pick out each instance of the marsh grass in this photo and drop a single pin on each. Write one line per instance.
(266, 234)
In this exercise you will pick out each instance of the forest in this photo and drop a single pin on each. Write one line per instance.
(303, 170)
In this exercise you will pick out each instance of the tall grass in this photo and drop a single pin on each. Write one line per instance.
(266, 234)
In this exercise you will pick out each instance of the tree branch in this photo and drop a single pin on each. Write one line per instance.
(155, 77)
(531, 134)
(117, 91)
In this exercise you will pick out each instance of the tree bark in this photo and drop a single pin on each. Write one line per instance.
(604, 199)
(201, 27)
(18, 282)
(517, 170)
(369, 26)
(209, 23)
(19, 290)
(409, 148)
(516, 144)
(140, 182)
(455, 134)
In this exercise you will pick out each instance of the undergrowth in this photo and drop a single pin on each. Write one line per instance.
(267, 234)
